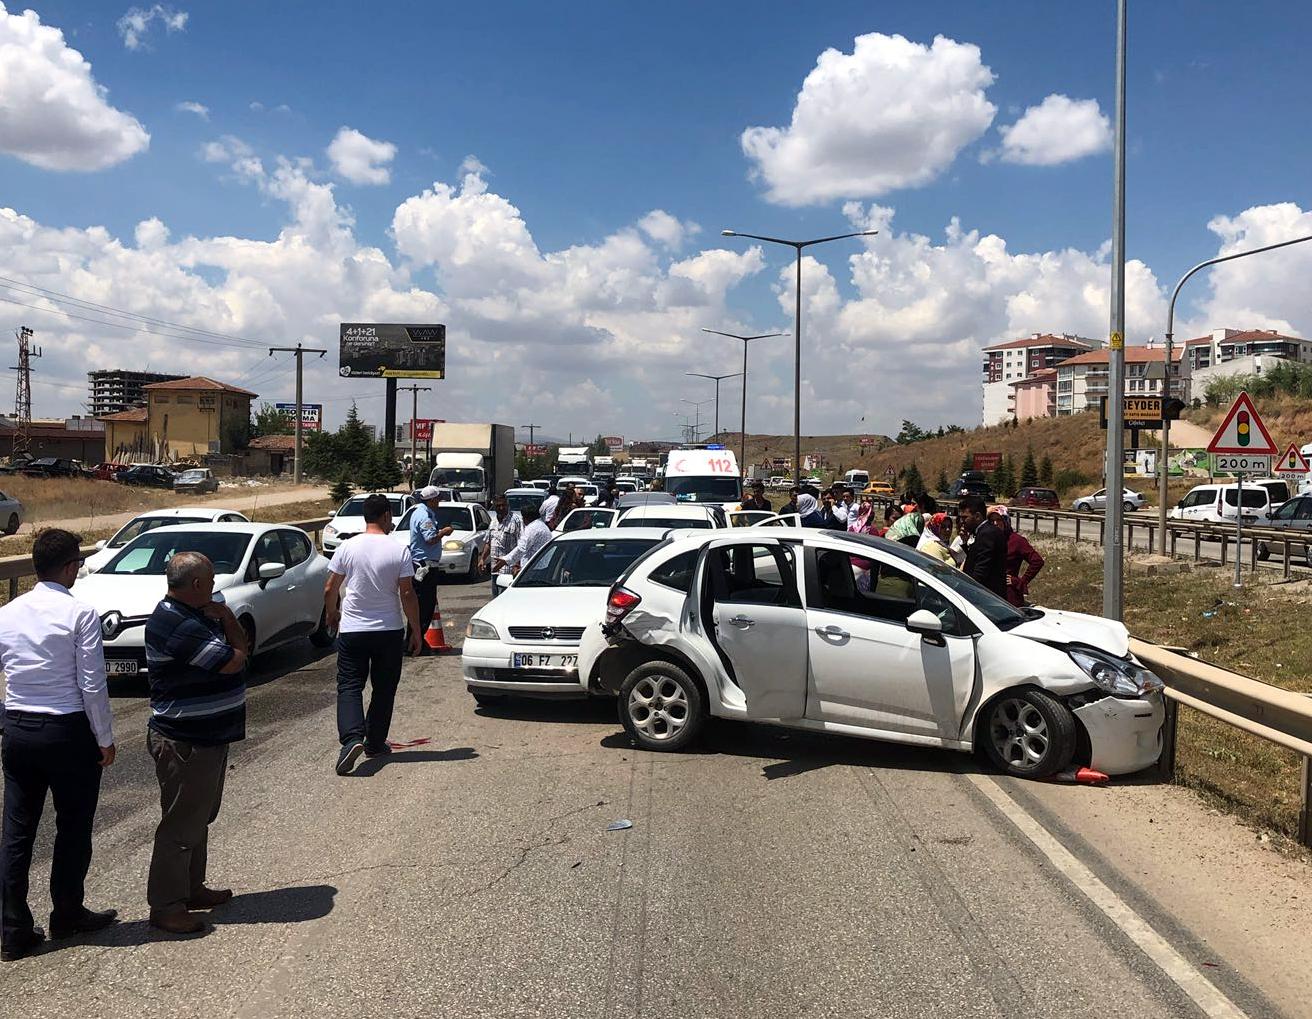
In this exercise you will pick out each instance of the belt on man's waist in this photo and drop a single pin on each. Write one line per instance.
(47, 716)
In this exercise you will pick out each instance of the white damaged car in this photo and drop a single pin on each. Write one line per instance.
(851, 634)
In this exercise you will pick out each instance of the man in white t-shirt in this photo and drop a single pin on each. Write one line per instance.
(369, 598)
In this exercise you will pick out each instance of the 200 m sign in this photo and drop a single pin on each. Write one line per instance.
(1241, 463)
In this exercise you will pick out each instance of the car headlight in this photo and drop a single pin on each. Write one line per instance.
(110, 624)
(330, 531)
(479, 630)
(453, 545)
(1118, 676)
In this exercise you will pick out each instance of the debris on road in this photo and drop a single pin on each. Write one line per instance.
(619, 825)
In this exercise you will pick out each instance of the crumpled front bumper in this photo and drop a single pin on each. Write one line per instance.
(1124, 733)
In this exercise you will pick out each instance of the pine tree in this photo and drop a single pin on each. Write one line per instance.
(341, 490)
(943, 482)
(377, 471)
(912, 482)
(1045, 470)
(967, 462)
(353, 440)
(1029, 471)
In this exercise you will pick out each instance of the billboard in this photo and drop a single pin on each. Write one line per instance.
(986, 461)
(615, 443)
(374, 350)
(534, 449)
(311, 415)
(867, 440)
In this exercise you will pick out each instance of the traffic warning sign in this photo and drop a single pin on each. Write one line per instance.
(1242, 431)
(1292, 461)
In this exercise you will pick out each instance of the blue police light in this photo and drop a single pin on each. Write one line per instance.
(715, 446)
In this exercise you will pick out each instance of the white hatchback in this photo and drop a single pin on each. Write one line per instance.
(108, 549)
(526, 640)
(669, 515)
(269, 575)
(851, 634)
(463, 547)
(348, 521)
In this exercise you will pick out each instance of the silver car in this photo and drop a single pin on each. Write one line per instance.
(11, 513)
(1097, 502)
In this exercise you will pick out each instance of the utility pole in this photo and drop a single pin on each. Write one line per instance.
(299, 351)
(1113, 563)
(414, 414)
(23, 398)
(531, 430)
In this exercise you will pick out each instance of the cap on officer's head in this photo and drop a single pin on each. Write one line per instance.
(430, 492)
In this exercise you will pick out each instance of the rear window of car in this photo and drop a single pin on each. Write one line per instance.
(677, 572)
(698, 524)
(1253, 497)
(583, 563)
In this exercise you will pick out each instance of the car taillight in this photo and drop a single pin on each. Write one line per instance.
(620, 602)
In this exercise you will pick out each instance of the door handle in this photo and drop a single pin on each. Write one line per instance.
(742, 622)
(832, 631)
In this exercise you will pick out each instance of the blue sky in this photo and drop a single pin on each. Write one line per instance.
(587, 116)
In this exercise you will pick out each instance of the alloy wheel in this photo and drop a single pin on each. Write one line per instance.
(658, 707)
(1019, 733)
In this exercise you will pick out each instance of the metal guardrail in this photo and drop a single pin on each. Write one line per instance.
(15, 568)
(1268, 712)
(1283, 545)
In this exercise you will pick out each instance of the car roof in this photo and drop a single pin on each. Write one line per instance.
(185, 511)
(234, 528)
(613, 533)
(665, 509)
(530, 490)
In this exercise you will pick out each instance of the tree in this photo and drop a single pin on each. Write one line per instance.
(269, 420)
(1029, 471)
(234, 434)
(967, 462)
(911, 432)
(1004, 478)
(912, 482)
(378, 471)
(341, 490)
(353, 439)
(942, 484)
(1045, 470)
(599, 447)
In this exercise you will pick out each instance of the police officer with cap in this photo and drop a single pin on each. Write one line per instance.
(426, 550)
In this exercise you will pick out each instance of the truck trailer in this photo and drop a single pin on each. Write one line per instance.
(476, 461)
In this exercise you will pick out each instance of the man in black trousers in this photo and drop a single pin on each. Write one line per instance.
(986, 550)
(58, 738)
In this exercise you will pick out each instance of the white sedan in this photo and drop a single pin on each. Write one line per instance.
(669, 515)
(831, 632)
(108, 549)
(526, 641)
(269, 575)
(348, 521)
(461, 548)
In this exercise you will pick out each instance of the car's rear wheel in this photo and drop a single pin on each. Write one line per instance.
(661, 707)
(322, 636)
(1129, 507)
(1028, 733)
(11, 526)
(1081, 507)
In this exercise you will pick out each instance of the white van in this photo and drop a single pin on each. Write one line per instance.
(704, 476)
(1218, 504)
(856, 480)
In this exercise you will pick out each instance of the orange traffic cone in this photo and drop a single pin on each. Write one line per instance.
(435, 638)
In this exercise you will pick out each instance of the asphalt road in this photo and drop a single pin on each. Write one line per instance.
(766, 874)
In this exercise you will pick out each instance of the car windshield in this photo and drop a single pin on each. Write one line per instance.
(149, 554)
(698, 523)
(703, 488)
(463, 478)
(192, 476)
(352, 508)
(454, 516)
(583, 563)
(517, 501)
(144, 524)
(997, 610)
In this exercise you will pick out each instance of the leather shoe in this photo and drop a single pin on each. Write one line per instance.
(179, 921)
(22, 945)
(84, 924)
(208, 898)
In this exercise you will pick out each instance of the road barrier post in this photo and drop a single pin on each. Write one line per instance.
(1305, 804)
(1170, 721)
(1077, 528)
(1198, 546)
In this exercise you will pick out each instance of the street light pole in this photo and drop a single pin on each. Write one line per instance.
(798, 246)
(742, 438)
(1113, 588)
(1170, 335)
(697, 425)
(716, 379)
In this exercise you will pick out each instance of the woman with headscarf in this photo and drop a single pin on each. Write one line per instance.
(808, 508)
(861, 519)
(892, 512)
(934, 540)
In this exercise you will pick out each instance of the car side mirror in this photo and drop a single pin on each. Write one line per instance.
(102, 543)
(271, 571)
(503, 580)
(928, 625)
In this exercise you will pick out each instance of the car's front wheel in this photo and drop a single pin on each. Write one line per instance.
(11, 527)
(1028, 733)
(322, 636)
(661, 707)
(1129, 507)
(1081, 507)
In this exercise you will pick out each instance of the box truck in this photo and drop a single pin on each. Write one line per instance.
(476, 461)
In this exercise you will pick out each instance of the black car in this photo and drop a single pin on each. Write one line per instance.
(51, 467)
(147, 476)
(969, 486)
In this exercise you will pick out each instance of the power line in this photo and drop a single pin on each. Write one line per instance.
(121, 325)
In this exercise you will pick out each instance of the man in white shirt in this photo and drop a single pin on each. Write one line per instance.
(549, 504)
(59, 736)
(369, 597)
(536, 534)
(507, 526)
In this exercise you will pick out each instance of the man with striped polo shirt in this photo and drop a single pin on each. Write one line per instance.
(196, 653)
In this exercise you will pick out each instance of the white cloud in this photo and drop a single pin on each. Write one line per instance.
(53, 114)
(135, 25)
(259, 107)
(359, 158)
(190, 106)
(1058, 130)
(667, 230)
(472, 164)
(890, 114)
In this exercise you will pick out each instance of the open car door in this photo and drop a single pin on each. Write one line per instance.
(751, 612)
(781, 520)
(586, 518)
(748, 518)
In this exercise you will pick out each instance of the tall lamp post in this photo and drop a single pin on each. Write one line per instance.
(798, 246)
(742, 455)
(697, 421)
(1170, 335)
(717, 379)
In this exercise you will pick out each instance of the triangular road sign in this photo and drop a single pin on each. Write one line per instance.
(1292, 461)
(1242, 431)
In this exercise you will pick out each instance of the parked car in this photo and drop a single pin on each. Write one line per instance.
(1096, 502)
(196, 479)
(269, 575)
(146, 475)
(630, 499)
(518, 498)
(526, 640)
(587, 518)
(107, 471)
(626, 485)
(1040, 498)
(539, 483)
(462, 548)
(970, 486)
(1293, 515)
(1219, 504)
(52, 467)
(671, 516)
(106, 550)
(11, 513)
(778, 625)
(1277, 490)
(348, 521)
(879, 489)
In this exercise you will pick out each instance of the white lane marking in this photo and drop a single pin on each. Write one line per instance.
(1203, 992)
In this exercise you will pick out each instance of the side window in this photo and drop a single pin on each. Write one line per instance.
(881, 592)
(1288, 510)
(267, 550)
(404, 523)
(1304, 508)
(754, 575)
(677, 573)
(296, 547)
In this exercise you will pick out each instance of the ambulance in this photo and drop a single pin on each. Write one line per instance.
(704, 475)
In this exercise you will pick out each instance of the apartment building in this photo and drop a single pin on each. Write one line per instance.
(1082, 381)
(114, 390)
(1008, 363)
(1240, 352)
